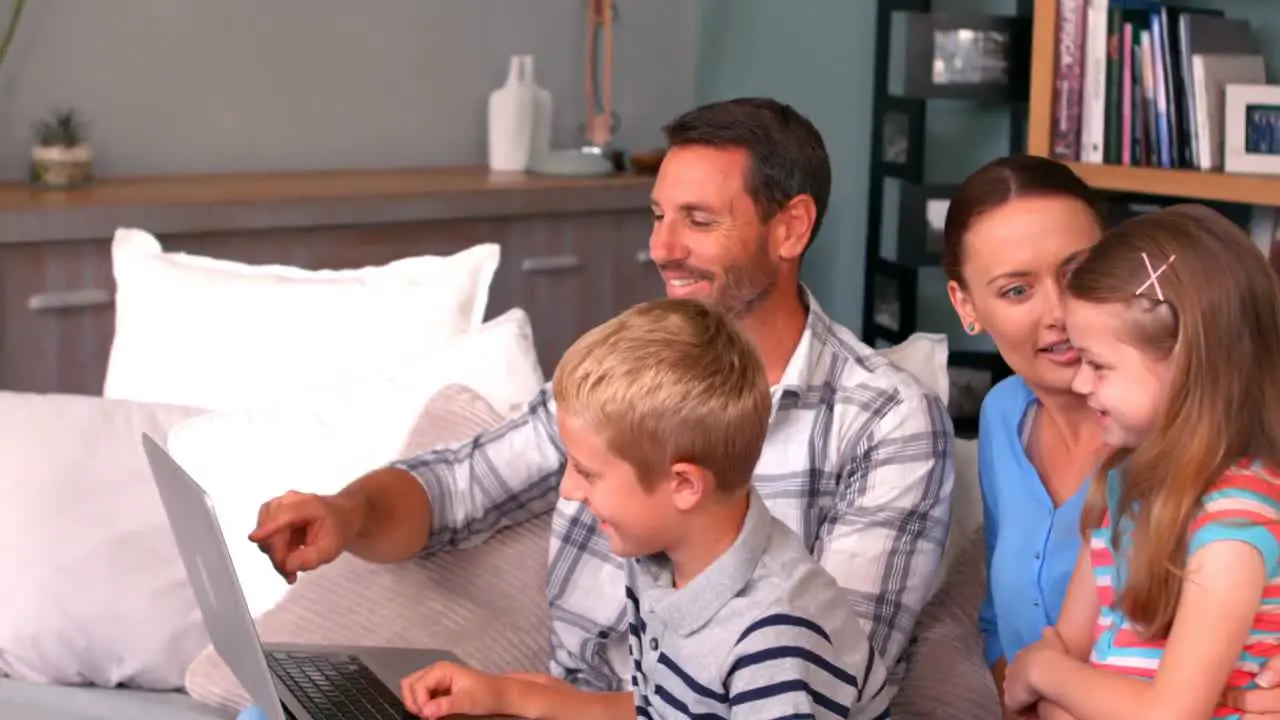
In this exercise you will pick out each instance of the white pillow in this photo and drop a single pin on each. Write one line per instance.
(92, 590)
(332, 436)
(924, 355)
(218, 334)
(498, 360)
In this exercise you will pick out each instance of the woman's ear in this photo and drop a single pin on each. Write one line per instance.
(963, 304)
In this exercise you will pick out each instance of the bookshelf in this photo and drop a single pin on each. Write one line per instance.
(1188, 184)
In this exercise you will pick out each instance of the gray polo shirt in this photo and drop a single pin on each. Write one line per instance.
(763, 632)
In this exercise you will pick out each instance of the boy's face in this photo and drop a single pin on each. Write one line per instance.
(637, 521)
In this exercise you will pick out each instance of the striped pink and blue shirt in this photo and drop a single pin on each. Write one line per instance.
(1243, 506)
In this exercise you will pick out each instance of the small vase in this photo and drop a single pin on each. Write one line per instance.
(59, 167)
(511, 110)
(540, 146)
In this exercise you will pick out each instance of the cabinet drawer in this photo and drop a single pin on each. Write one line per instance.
(56, 316)
(635, 277)
(558, 273)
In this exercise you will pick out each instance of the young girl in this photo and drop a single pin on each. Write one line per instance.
(1176, 594)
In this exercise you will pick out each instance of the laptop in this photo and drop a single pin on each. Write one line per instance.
(287, 682)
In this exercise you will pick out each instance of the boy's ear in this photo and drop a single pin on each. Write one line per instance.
(689, 483)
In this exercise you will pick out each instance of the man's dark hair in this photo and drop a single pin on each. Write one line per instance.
(788, 157)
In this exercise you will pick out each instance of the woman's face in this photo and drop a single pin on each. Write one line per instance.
(1013, 258)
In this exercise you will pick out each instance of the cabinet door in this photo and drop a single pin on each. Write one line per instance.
(56, 316)
(557, 270)
(635, 277)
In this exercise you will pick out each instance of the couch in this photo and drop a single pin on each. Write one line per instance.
(266, 378)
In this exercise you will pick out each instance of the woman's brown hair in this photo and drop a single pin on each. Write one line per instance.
(1214, 311)
(999, 182)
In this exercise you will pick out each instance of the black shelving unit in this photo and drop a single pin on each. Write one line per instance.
(899, 121)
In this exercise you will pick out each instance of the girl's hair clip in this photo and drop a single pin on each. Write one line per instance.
(1154, 275)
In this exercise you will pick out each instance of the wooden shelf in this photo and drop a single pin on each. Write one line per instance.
(1189, 184)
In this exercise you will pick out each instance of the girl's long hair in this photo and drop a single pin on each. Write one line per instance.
(1219, 323)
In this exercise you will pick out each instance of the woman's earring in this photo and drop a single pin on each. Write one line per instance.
(970, 328)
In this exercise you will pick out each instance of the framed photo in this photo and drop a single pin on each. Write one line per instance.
(972, 375)
(893, 292)
(902, 138)
(1251, 129)
(922, 219)
(968, 56)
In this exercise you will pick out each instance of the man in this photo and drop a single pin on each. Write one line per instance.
(857, 461)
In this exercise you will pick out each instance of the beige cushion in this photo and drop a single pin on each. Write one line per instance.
(947, 676)
(487, 604)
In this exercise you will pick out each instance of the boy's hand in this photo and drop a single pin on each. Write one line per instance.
(448, 689)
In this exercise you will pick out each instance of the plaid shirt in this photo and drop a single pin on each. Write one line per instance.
(858, 462)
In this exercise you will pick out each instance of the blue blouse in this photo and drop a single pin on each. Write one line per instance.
(1032, 546)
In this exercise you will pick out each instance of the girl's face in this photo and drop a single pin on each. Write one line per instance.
(1123, 384)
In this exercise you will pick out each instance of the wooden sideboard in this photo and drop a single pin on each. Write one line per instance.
(574, 250)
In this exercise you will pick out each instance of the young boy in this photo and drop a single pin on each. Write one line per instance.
(663, 413)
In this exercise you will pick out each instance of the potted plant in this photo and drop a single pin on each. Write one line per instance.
(61, 157)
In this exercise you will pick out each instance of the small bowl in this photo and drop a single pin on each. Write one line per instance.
(647, 163)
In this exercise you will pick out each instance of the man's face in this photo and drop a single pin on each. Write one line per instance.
(708, 241)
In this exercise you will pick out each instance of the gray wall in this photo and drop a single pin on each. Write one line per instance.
(174, 86)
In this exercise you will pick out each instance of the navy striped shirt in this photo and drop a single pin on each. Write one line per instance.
(763, 632)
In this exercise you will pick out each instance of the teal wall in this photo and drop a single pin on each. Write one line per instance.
(819, 56)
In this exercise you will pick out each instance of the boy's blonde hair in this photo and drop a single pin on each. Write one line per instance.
(666, 382)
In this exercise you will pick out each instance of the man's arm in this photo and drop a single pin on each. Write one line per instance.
(459, 494)
(883, 542)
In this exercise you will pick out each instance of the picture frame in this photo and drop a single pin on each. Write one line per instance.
(966, 56)
(902, 123)
(922, 216)
(1251, 129)
(972, 374)
(894, 291)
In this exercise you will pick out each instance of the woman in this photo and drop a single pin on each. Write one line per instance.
(1011, 226)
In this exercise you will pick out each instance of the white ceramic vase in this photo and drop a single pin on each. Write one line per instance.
(511, 118)
(540, 146)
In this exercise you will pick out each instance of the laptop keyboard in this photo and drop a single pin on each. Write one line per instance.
(336, 686)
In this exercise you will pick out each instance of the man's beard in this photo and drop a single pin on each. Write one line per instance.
(738, 288)
(744, 287)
